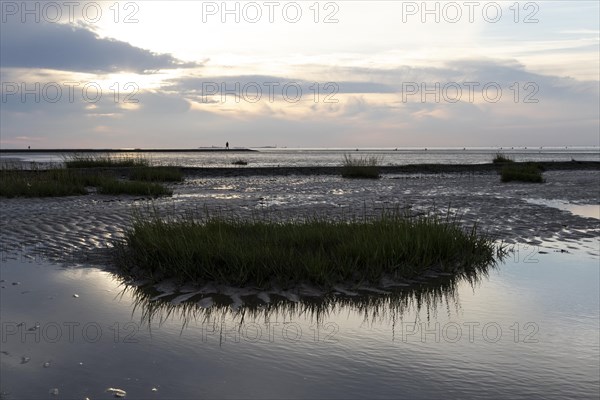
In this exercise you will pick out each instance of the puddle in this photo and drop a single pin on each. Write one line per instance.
(527, 320)
(582, 210)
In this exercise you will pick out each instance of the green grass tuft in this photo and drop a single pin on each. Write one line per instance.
(136, 188)
(42, 183)
(522, 173)
(315, 250)
(156, 174)
(95, 161)
(502, 158)
(68, 182)
(363, 167)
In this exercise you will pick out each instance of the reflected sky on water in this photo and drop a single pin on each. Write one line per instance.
(524, 329)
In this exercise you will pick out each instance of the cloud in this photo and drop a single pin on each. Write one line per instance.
(370, 112)
(473, 78)
(69, 47)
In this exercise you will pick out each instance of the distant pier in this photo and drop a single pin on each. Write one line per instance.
(197, 150)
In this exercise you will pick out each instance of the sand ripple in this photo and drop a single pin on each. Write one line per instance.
(76, 227)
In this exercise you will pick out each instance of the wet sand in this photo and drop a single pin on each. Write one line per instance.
(82, 224)
(204, 334)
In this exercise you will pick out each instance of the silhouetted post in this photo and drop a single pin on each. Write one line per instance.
(227, 145)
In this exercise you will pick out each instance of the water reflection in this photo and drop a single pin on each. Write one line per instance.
(387, 305)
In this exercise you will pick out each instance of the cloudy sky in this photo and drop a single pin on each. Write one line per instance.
(299, 74)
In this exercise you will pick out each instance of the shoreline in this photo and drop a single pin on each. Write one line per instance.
(197, 150)
(507, 212)
(237, 171)
(387, 169)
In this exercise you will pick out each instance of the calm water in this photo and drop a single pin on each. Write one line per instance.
(528, 330)
(333, 157)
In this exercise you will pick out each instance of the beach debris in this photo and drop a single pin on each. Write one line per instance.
(154, 389)
(264, 297)
(344, 291)
(25, 360)
(237, 302)
(184, 297)
(117, 392)
(206, 302)
(16, 283)
(47, 364)
(373, 290)
(290, 296)
(76, 295)
(53, 392)
(34, 328)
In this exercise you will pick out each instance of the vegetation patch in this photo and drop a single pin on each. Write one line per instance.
(69, 182)
(362, 167)
(240, 162)
(502, 158)
(44, 183)
(522, 173)
(95, 161)
(136, 188)
(316, 250)
(156, 174)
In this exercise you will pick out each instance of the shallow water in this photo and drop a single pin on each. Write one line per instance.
(528, 330)
(583, 210)
(265, 157)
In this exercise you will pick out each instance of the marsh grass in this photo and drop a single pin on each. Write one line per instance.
(362, 167)
(95, 161)
(156, 174)
(255, 251)
(44, 183)
(390, 306)
(502, 158)
(240, 162)
(16, 185)
(136, 188)
(522, 173)
(68, 182)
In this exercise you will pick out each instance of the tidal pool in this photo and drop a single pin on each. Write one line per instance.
(529, 329)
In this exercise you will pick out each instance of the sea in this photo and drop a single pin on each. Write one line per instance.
(318, 157)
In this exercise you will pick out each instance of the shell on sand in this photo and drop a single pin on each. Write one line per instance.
(117, 392)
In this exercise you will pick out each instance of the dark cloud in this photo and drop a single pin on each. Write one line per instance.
(567, 114)
(69, 47)
(470, 75)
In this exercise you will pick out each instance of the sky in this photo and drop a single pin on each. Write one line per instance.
(152, 74)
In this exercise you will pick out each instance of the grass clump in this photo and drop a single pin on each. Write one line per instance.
(502, 158)
(156, 174)
(240, 162)
(363, 167)
(94, 161)
(51, 183)
(45, 183)
(522, 173)
(67, 182)
(136, 188)
(314, 250)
